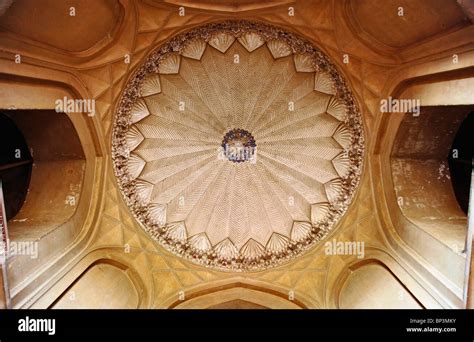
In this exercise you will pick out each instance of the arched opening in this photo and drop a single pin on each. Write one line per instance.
(103, 285)
(371, 285)
(15, 166)
(52, 151)
(236, 296)
(67, 163)
(413, 152)
(423, 180)
(460, 161)
(237, 304)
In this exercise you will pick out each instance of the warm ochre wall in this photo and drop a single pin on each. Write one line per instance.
(151, 277)
(98, 288)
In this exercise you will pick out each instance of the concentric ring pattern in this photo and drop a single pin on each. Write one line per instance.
(286, 97)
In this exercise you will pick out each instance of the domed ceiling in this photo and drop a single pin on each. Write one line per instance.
(237, 145)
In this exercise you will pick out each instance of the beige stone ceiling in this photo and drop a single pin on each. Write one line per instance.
(251, 213)
(228, 6)
(381, 20)
(373, 20)
(45, 21)
(94, 69)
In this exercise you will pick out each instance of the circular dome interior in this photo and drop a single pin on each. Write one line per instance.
(237, 145)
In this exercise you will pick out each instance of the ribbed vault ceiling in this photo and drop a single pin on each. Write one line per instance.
(230, 87)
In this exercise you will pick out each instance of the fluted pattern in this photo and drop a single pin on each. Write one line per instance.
(238, 211)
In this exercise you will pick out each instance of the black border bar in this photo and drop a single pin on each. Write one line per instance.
(230, 323)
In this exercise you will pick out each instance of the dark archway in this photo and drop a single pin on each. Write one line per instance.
(15, 165)
(460, 161)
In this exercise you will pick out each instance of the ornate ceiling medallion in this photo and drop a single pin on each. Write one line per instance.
(238, 146)
(185, 140)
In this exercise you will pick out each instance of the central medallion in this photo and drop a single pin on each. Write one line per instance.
(228, 209)
(238, 146)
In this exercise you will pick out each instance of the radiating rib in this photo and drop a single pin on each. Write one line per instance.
(238, 85)
(259, 223)
(308, 188)
(179, 94)
(240, 199)
(296, 87)
(154, 149)
(218, 225)
(166, 190)
(217, 68)
(304, 129)
(275, 81)
(156, 127)
(249, 62)
(198, 218)
(295, 204)
(258, 208)
(198, 79)
(280, 200)
(157, 170)
(312, 104)
(239, 223)
(181, 206)
(321, 170)
(324, 147)
(166, 109)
